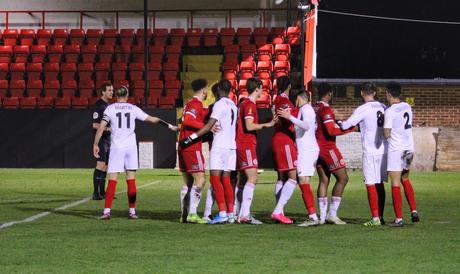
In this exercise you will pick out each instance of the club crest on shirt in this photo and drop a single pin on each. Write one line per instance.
(327, 116)
(95, 115)
(193, 111)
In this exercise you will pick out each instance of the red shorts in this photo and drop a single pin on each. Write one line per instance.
(191, 161)
(246, 156)
(284, 153)
(331, 159)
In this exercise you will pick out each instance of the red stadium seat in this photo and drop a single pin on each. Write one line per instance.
(155, 69)
(140, 34)
(34, 71)
(138, 89)
(88, 53)
(277, 35)
(80, 102)
(173, 53)
(160, 37)
(60, 36)
(293, 36)
(265, 52)
(34, 88)
(156, 53)
(138, 53)
(126, 37)
(86, 88)
(17, 88)
(6, 52)
(4, 69)
(26, 37)
(3, 88)
(122, 53)
(242, 86)
(93, 100)
(136, 71)
(227, 36)
(282, 52)
(230, 70)
(55, 53)
(21, 54)
(267, 85)
(264, 69)
(51, 71)
(68, 71)
(172, 87)
(152, 101)
(77, 37)
(52, 88)
(62, 103)
(10, 102)
(119, 71)
(45, 102)
(93, 36)
(170, 71)
(264, 101)
(282, 68)
(177, 36)
(120, 83)
(102, 72)
(166, 102)
(260, 36)
(248, 52)
(69, 88)
(194, 37)
(44, 37)
(210, 37)
(110, 37)
(71, 53)
(247, 69)
(10, 37)
(38, 53)
(105, 53)
(232, 53)
(17, 71)
(85, 71)
(156, 87)
(232, 96)
(244, 36)
(135, 101)
(234, 84)
(28, 102)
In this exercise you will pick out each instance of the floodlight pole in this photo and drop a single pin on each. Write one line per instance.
(146, 53)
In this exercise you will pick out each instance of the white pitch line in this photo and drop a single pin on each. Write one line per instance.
(64, 207)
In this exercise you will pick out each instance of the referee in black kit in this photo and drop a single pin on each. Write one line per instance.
(100, 171)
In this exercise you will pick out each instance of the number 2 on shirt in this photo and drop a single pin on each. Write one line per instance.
(407, 125)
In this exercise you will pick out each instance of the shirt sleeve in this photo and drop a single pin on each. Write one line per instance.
(106, 115)
(388, 118)
(140, 114)
(192, 110)
(301, 121)
(357, 116)
(327, 115)
(249, 111)
(98, 113)
(216, 111)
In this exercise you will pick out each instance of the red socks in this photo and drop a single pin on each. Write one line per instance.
(218, 192)
(229, 196)
(308, 198)
(409, 192)
(131, 192)
(110, 193)
(373, 200)
(397, 201)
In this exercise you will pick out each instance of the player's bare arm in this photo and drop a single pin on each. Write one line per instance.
(99, 132)
(156, 120)
(387, 133)
(251, 126)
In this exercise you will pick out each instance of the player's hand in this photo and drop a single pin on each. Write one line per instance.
(96, 151)
(216, 128)
(339, 122)
(186, 142)
(173, 128)
(284, 113)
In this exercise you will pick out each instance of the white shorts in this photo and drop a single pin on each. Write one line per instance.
(400, 160)
(222, 159)
(306, 163)
(374, 169)
(121, 159)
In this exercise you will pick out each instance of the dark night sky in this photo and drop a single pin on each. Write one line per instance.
(352, 47)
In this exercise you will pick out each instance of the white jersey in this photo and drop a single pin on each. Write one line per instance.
(122, 118)
(305, 129)
(226, 113)
(398, 118)
(370, 117)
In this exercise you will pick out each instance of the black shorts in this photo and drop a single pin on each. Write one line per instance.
(104, 151)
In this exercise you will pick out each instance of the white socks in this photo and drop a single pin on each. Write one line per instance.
(183, 202)
(322, 202)
(195, 197)
(335, 203)
(248, 193)
(278, 187)
(286, 193)
(237, 202)
(132, 210)
(106, 211)
(209, 202)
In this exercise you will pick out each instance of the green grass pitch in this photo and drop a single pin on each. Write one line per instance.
(73, 240)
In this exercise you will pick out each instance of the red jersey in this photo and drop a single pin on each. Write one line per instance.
(324, 115)
(246, 110)
(192, 120)
(283, 126)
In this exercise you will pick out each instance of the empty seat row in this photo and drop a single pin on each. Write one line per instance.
(248, 69)
(280, 52)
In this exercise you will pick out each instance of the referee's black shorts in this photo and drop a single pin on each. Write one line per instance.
(104, 151)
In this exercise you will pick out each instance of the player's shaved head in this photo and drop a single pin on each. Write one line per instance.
(394, 89)
(199, 84)
(369, 88)
(252, 84)
(122, 92)
(224, 87)
(323, 90)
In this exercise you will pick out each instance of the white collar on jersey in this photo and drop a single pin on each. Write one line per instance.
(324, 103)
(284, 95)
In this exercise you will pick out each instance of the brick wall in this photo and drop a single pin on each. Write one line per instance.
(434, 106)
